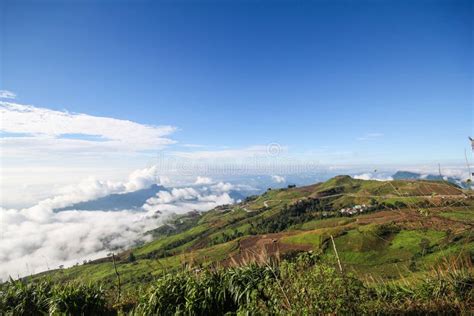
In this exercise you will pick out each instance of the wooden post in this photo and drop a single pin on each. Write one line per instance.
(337, 255)
(118, 277)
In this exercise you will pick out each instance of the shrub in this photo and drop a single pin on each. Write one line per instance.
(315, 291)
(211, 292)
(131, 257)
(447, 292)
(22, 298)
(78, 299)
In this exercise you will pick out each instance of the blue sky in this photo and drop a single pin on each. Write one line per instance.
(371, 82)
(111, 96)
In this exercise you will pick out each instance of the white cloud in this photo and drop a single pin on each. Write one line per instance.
(164, 180)
(176, 194)
(5, 94)
(222, 187)
(372, 176)
(143, 178)
(278, 179)
(58, 131)
(203, 180)
(92, 188)
(190, 198)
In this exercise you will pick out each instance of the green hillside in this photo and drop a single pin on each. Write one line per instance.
(398, 216)
(392, 231)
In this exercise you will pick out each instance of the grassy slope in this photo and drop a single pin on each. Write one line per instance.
(364, 243)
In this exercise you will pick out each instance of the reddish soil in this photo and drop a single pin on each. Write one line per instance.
(261, 248)
(413, 219)
(307, 189)
(380, 217)
(201, 243)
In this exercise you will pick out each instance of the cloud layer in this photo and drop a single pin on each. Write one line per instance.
(373, 176)
(36, 239)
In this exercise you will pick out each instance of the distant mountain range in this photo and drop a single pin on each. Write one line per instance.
(115, 202)
(408, 175)
(131, 200)
(136, 199)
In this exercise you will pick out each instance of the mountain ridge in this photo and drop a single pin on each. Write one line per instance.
(117, 201)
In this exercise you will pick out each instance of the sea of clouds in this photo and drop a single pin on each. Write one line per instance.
(37, 238)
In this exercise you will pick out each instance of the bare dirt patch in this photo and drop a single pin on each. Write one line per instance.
(261, 248)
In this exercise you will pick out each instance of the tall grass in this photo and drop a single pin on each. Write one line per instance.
(301, 286)
(216, 292)
(305, 286)
(19, 298)
(43, 298)
(440, 292)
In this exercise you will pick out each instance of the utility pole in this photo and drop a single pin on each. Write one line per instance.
(468, 166)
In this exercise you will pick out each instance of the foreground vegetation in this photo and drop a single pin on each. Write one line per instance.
(301, 285)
